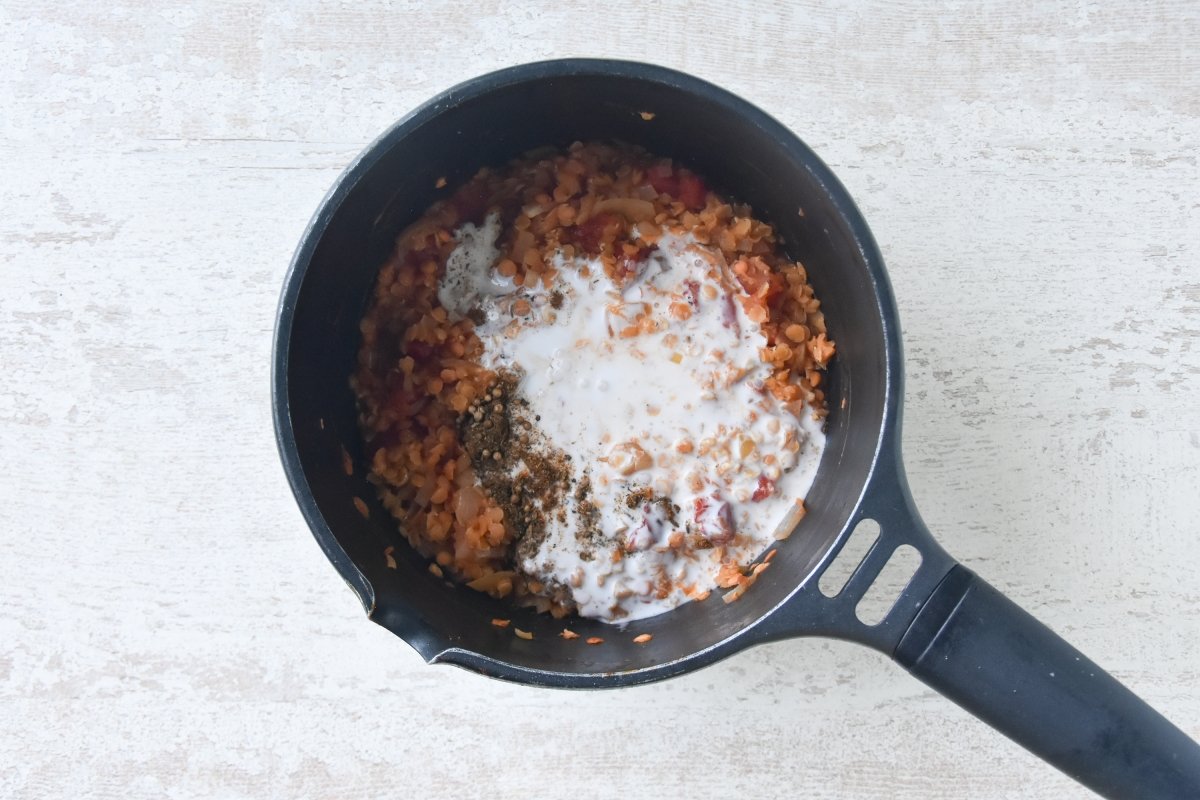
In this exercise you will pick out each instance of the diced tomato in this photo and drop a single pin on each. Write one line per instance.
(661, 178)
(729, 315)
(630, 265)
(766, 488)
(724, 525)
(685, 187)
(692, 192)
(649, 532)
(590, 234)
(691, 292)
(714, 523)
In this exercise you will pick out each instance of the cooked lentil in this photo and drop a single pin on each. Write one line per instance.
(442, 432)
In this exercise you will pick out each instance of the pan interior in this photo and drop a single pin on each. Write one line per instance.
(745, 156)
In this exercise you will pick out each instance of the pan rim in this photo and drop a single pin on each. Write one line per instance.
(834, 193)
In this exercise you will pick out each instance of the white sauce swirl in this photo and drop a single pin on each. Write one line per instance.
(644, 392)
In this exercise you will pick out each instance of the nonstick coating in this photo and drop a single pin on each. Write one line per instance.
(746, 156)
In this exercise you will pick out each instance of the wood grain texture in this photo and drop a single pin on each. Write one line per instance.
(167, 626)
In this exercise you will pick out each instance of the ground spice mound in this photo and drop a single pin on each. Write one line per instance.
(528, 478)
(453, 453)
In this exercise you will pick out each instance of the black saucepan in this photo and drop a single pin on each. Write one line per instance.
(948, 627)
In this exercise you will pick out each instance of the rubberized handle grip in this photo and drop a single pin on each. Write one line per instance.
(978, 648)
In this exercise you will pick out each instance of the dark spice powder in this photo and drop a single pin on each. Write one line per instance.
(525, 475)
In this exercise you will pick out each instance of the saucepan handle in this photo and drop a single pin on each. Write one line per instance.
(975, 646)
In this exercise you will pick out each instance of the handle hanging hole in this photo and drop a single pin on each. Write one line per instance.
(889, 585)
(835, 576)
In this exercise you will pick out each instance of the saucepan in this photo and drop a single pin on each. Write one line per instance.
(947, 626)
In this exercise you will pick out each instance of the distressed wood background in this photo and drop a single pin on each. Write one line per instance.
(169, 629)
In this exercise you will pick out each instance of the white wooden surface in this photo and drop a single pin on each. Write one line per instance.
(169, 629)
